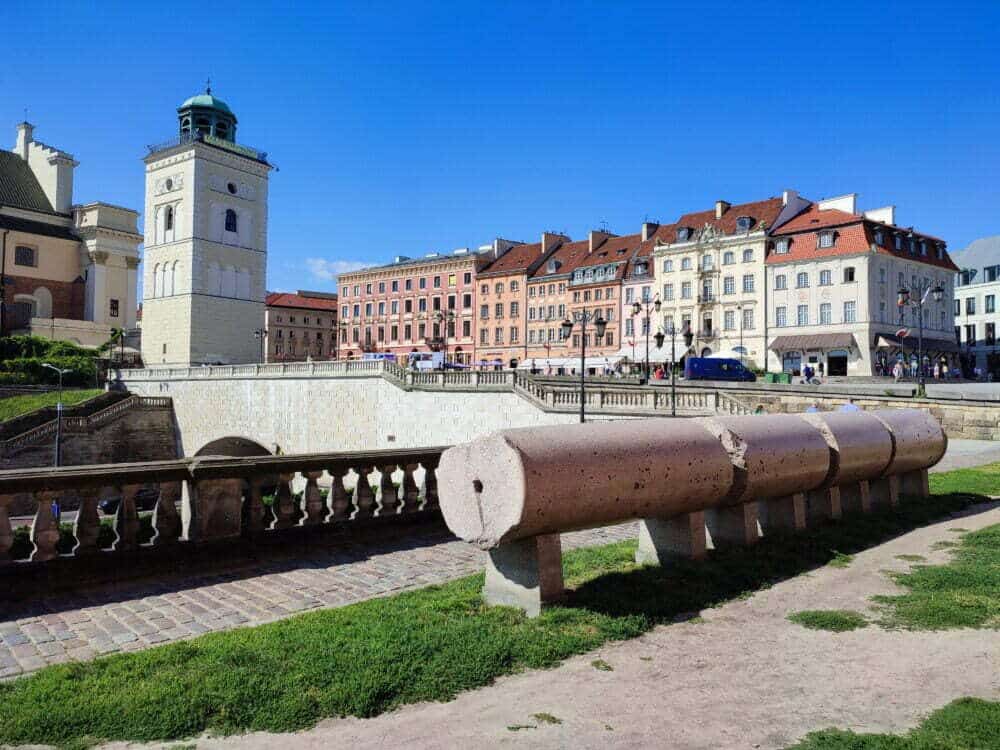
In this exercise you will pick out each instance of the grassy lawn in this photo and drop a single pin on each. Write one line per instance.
(15, 406)
(965, 724)
(835, 620)
(429, 644)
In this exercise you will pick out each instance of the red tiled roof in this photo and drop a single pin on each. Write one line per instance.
(518, 258)
(287, 299)
(765, 210)
(569, 256)
(854, 234)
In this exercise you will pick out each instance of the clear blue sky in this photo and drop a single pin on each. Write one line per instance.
(406, 128)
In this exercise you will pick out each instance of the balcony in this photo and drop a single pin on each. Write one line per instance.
(188, 138)
(707, 335)
(707, 299)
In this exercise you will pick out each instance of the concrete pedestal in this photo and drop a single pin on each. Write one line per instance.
(823, 505)
(663, 539)
(526, 573)
(735, 525)
(855, 497)
(783, 514)
(885, 492)
(915, 484)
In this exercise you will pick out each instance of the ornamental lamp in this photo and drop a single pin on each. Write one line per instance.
(659, 337)
(601, 325)
(567, 328)
(636, 308)
(938, 293)
(904, 296)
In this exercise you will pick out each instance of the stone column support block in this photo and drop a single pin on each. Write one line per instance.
(823, 505)
(783, 514)
(661, 540)
(855, 497)
(733, 526)
(526, 573)
(915, 484)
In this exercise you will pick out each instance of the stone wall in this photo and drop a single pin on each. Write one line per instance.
(315, 415)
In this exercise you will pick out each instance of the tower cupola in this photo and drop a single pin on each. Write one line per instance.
(205, 114)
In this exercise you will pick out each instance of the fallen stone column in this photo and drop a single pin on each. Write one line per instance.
(775, 459)
(918, 442)
(513, 492)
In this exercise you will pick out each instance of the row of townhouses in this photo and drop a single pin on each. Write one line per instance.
(780, 283)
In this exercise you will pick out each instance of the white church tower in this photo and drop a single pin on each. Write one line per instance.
(205, 242)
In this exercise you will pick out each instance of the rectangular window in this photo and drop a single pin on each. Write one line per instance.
(668, 292)
(729, 285)
(437, 282)
(394, 333)
(498, 336)
(452, 279)
(825, 313)
(991, 334)
(381, 309)
(629, 326)
(498, 310)
(408, 306)
(748, 255)
(395, 285)
(113, 308)
(408, 332)
(484, 336)
(630, 295)
(381, 287)
(850, 311)
(729, 320)
(958, 307)
(970, 334)
(748, 283)
(467, 278)
(991, 303)
(451, 301)
(394, 306)
(970, 305)
(686, 290)
(825, 278)
(668, 266)
(466, 328)
(515, 309)
(803, 315)
(780, 282)
(422, 304)
(513, 335)
(484, 311)
(25, 256)
(435, 304)
(802, 280)
(849, 275)
(781, 317)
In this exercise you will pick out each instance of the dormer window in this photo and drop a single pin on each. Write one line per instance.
(641, 269)
(923, 247)
(879, 237)
(940, 251)
(899, 242)
(683, 234)
(913, 246)
(825, 240)
(743, 224)
(782, 245)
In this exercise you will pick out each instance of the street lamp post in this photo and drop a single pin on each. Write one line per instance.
(600, 325)
(261, 334)
(59, 410)
(688, 338)
(922, 290)
(444, 321)
(341, 327)
(647, 305)
(739, 312)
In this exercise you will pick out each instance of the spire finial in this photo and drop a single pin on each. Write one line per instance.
(208, 85)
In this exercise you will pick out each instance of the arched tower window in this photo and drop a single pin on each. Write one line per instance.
(231, 220)
(168, 219)
(156, 274)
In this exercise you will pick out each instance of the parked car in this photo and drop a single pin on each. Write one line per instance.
(145, 499)
(710, 368)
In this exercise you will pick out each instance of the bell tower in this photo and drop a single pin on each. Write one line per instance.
(205, 241)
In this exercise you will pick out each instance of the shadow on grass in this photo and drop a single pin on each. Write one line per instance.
(664, 594)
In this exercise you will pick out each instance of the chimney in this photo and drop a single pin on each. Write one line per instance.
(648, 228)
(720, 208)
(551, 240)
(597, 238)
(788, 195)
(25, 136)
(886, 215)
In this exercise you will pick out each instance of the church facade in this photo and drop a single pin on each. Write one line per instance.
(205, 242)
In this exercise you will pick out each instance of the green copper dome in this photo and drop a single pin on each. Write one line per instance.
(207, 115)
(206, 100)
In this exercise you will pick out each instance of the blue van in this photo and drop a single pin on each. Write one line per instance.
(708, 368)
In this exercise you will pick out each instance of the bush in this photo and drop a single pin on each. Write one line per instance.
(21, 359)
(22, 547)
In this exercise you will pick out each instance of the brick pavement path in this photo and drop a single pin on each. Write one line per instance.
(137, 615)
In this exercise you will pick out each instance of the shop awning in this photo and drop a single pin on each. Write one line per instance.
(891, 341)
(823, 341)
(543, 363)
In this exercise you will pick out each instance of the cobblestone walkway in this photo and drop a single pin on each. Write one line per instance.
(135, 616)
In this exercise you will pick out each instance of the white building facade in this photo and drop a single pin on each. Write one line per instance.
(833, 281)
(977, 289)
(205, 242)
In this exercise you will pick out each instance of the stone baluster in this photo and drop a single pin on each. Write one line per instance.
(313, 507)
(410, 491)
(44, 529)
(285, 510)
(6, 532)
(364, 498)
(166, 519)
(429, 492)
(388, 495)
(254, 511)
(127, 519)
(87, 526)
(339, 500)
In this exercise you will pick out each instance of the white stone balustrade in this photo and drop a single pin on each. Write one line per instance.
(211, 499)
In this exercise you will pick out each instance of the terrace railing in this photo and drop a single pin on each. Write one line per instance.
(210, 499)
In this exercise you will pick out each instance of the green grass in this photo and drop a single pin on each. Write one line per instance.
(911, 558)
(982, 480)
(841, 560)
(431, 644)
(15, 406)
(965, 724)
(835, 620)
(963, 593)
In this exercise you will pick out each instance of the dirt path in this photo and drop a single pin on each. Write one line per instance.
(745, 677)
